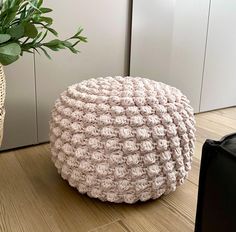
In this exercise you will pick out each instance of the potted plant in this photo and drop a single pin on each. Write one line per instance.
(24, 26)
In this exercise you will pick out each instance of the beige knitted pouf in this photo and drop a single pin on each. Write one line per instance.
(122, 139)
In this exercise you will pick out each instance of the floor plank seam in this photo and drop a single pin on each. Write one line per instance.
(192, 182)
(123, 225)
(177, 211)
(104, 225)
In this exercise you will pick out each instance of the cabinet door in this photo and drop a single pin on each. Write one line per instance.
(168, 43)
(106, 26)
(219, 80)
(20, 122)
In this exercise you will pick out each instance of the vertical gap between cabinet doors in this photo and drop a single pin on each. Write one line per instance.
(205, 54)
(129, 39)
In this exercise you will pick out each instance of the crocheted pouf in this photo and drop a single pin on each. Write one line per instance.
(122, 139)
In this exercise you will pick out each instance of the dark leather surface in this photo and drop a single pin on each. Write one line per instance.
(216, 210)
(229, 144)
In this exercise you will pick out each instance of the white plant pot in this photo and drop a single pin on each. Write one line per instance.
(2, 101)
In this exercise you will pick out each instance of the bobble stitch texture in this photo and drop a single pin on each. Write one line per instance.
(122, 139)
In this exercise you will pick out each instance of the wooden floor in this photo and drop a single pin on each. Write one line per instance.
(34, 198)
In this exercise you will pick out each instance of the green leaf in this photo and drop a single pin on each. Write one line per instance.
(37, 37)
(52, 31)
(44, 36)
(45, 53)
(30, 30)
(40, 2)
(1, 4)
(78, 41)
(79, 31)
(34, 6)
(11, 49)
(17, 31)
(23, 5)
(6, 60)
(53, 48)
(67, 43)
(72, 49)
(36, 18)
(53, 42)
(47, 20)
(23, 13)
(45, 10)
(83, 39)
(4, 38)
(28, 51)
(35, 49)
(10, 14)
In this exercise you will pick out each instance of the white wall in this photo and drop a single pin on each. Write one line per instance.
(106, 26)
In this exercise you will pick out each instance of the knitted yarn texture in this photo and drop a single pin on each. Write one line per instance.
(122, 139)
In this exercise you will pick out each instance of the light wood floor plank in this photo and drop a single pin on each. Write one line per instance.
(227, 113)
(153, 216)
(58, 196)
(20, 210)
(117, 226)
(184, 200)
(214, 127)
(193, 175)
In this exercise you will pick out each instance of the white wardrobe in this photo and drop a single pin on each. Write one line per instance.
(190, 44)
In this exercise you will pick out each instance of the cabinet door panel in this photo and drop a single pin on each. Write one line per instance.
(220, 66)
(20, 121)
(152, 27)
(106, 26)
(168, 43)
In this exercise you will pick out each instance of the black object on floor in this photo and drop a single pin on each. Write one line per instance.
(216, 208)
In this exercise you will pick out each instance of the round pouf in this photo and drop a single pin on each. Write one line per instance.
(122, 139)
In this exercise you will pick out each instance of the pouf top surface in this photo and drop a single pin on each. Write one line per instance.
(121, 91)
(122, 139)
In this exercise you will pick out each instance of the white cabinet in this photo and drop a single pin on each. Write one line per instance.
(106, 26)
(188, 48)
(168, 43)
(188, 44)
(32, 89)
(151, 45)
(20, 127)
(219, 79)
(185, 43)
